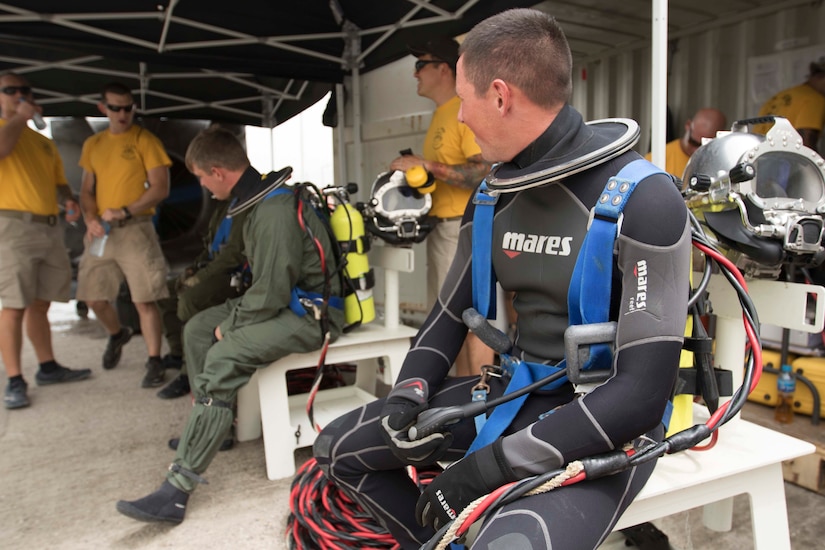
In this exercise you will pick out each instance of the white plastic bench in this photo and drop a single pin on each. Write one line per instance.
(746, 460)
(264, 406)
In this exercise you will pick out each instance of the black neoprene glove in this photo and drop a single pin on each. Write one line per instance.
(466, 480)
(404, 403)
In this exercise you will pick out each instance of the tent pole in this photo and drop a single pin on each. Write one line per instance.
(340, 130)
(357, 144)
(658, 82)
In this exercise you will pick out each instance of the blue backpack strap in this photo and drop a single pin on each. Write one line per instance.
(281, 190)
(484, 282)
(588, 296)
(221, 235)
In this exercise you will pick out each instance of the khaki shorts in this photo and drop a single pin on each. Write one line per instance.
(131, 252)
(442, 243)
(33, 264)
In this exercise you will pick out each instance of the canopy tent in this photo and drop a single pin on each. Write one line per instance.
(259, 62)
(251, 62)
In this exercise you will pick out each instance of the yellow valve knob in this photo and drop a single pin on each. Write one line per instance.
(418, 178)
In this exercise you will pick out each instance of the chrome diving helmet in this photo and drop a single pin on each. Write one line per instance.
(761, 197)
(397, 212)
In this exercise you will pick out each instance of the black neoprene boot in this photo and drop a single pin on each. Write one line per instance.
(166, 504)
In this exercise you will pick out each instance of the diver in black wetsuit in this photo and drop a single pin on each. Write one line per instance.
(514, 79)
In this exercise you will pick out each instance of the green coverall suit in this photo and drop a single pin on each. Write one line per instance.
(257, 328)
(213, 270)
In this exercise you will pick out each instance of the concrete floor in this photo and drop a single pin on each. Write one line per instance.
(79, 448)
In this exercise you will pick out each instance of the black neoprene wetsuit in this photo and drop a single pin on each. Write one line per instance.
(651, 316)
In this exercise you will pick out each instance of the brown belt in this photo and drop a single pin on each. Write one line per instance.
(28, 217)
(133, 219)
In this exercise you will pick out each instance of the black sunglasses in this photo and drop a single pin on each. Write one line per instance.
(421, 63)
(11, 90)
(117, 108)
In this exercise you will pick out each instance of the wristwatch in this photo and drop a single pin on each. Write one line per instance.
(126, 213)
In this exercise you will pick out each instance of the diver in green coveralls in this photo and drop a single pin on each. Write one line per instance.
(224, 344)
(211, 279)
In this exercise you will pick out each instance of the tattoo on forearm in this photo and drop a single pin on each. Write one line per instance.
(467, 175)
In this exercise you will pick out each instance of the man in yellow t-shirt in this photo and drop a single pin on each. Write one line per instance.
(802, 105)
(34, 266)
(453, 157)
(704, 124)
(125, 175)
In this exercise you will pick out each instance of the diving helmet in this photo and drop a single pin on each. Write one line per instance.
(396, 212)
(761, 197)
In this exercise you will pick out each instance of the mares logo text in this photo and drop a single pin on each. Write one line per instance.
(516, 243)
(639, 301)
(443, 502)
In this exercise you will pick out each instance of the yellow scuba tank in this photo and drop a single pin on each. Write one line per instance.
(348, 227)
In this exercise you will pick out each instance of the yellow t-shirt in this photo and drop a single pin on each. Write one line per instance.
(675, 159)
(31, 174)
(120, 163)
(803, 106)
(450, 142)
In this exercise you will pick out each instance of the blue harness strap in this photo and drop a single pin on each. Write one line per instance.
(297, 307)
(588, 297)
(221, 236)
(484, 283)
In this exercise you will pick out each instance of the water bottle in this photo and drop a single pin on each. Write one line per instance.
(785, 386)
(98, 244)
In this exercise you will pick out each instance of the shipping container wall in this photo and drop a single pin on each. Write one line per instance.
(707, 67)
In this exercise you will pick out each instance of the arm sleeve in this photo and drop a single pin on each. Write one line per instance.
(811, 114)
(275, 243)
(84, 161)
(152, 151)
(59, 170)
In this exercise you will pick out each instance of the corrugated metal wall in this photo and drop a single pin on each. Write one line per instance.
(707, 68)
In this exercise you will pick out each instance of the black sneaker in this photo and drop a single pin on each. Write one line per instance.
(155, 374)
(172, 361)
(167, 504)
(62, 374)
(176, 388)
(15, 396)
(114, 348)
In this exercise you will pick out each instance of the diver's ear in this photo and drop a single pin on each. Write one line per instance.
(501, 94)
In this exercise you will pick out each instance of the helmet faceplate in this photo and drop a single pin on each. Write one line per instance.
(397, 212)
(763, 197)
